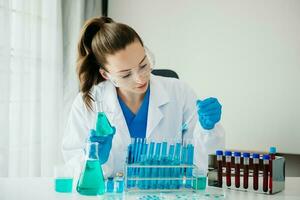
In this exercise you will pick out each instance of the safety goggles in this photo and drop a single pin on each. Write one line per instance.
(128, 78)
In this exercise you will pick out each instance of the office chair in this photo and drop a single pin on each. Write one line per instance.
(165, 73)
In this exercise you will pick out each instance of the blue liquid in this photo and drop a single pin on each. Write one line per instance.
(63, 185)
(199, 183)
(110, 185)
(91, 181)
(190, 158)
(120, 186)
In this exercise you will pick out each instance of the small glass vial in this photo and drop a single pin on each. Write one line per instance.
(110, 184)
(219, 154)
(255, 157)
(119, 182)
(228, 167)
(237, 163)
(246, 157)
(266, 159)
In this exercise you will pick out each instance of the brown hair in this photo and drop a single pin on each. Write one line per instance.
(100, 36)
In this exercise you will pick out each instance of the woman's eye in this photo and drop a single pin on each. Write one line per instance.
(126, 76)
(143, 66)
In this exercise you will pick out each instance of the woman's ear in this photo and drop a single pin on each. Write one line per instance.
(103, 73)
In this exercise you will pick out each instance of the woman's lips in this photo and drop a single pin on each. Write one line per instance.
(142, 86)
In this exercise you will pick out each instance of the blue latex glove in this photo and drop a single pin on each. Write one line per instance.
(104, 146)
(209, 112)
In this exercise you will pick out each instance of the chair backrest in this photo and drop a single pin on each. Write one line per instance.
(165, 73)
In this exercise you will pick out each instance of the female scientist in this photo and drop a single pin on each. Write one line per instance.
(114, 70)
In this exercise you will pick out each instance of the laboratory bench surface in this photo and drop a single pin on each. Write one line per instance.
(43, 188)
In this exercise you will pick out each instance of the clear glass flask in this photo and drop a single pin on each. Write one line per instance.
(91, 181)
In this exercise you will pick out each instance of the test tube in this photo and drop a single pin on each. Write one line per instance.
(154, 173)
(246, 157)
(266, 159)
(183, 162)
(237, 166)
(176, 162)
(169, 162)
(190, 160)
(255, 170)
(228, 168)
(219, 154)
(129, 161)
(142, 172)
(272, 153)
(163, 158)
(149, 161)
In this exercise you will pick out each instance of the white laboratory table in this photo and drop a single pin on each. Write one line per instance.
(43, 188)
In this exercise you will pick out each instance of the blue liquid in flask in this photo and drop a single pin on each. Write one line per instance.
(91, 181)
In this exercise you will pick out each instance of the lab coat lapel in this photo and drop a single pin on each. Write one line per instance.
(111, 101)
(158, 98)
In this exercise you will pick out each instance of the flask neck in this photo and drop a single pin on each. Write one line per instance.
(92, 151)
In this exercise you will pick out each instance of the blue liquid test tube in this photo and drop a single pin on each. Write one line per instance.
(163, 159)
(129, 161)
(169, 170)
(135, 155)
(176, 162)
(141, 183)
(183, 162)
(190, 160)
(155, 162)
(149, 161)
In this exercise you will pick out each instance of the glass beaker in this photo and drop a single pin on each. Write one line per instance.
(91, 181)
(63, 178)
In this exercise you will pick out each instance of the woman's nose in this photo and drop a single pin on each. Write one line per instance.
(138, 77)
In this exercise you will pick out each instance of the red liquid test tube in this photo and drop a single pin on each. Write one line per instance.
(246, 157)
(255, 170)
(228, 167)
(272, 153)
(237, 166)
(266, 159)
(219, 154)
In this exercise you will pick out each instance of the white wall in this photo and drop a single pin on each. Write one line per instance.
(246, 53)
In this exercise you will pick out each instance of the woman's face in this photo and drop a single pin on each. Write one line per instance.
(129, 69)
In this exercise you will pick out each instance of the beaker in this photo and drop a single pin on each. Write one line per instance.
(63, 178)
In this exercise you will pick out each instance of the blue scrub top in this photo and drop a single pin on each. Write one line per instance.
(137, 123)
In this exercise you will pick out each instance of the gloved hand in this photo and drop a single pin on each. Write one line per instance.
(209, 112)
(104, 146)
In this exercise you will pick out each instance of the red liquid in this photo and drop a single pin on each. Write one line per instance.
(265, 177)
(228, 174)
(220, 178)
(255, 176)
(246, 176)
(272, 157)
(237, 175)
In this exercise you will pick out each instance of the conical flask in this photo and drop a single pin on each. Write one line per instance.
(103, 126)
(91, 180)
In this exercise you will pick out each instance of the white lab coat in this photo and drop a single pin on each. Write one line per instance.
(171, 103)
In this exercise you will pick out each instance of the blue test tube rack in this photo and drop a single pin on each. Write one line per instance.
(160, 167)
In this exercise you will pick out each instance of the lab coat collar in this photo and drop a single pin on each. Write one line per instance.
(158, 98)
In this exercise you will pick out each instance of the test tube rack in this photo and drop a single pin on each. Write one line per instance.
(153, 178)
(277, 175)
